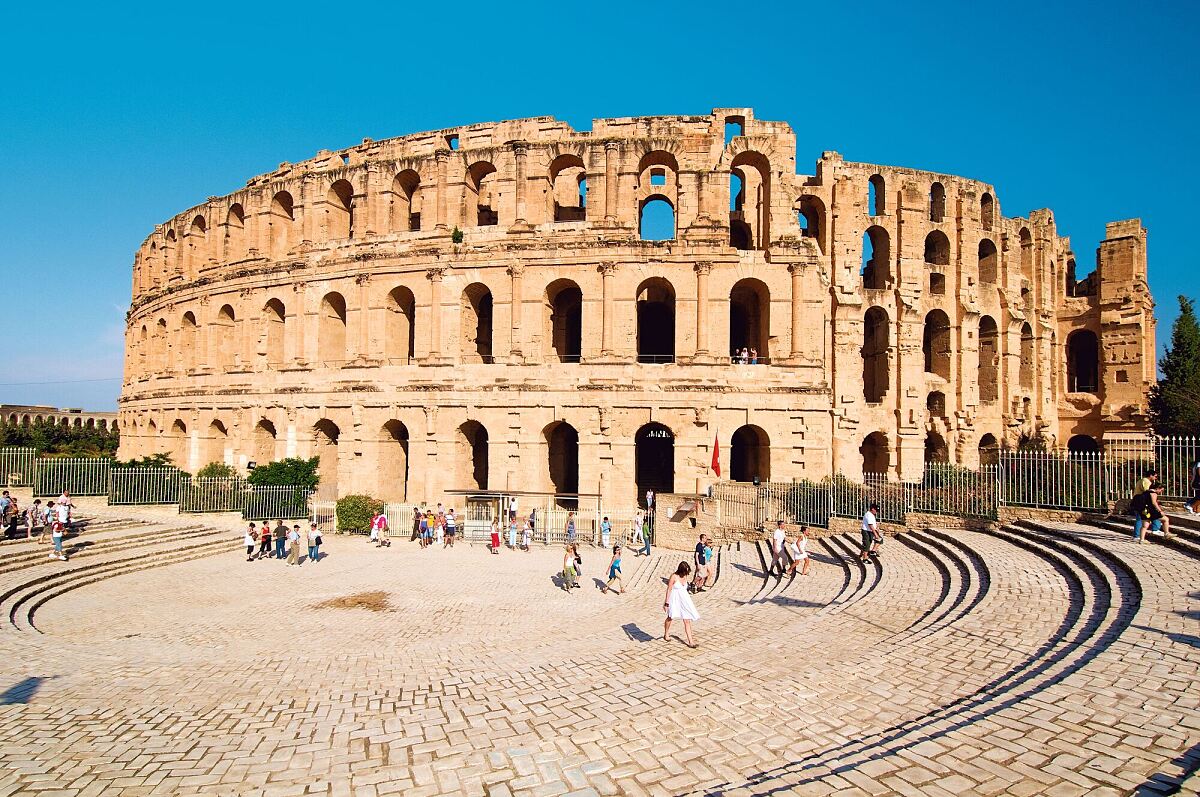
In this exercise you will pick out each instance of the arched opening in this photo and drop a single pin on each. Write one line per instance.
(1026, 255)
(656, 219)
(188, 341)
(331, 332)
(235, 232)
(339, 211)
(876, 259)
(281, 219)
(264, 442)
(481, 196)
(562, 446)
(750, 318)
(143, 345)
(404, 213)
(937, 249)
(876, 343)
(476, 323)
(989, 360)
(935, 404)
(197, 256)
(1027, 348)
(25, 422)
(750, 206)
(876, 196)
(811, 215)
(656, 321)
(935, 344)
(180, 446)
(937, 203)
(393, 461)
(564, 320)
(750, 455)
(472, 456)
(162, 345)
(568, 194)
(989, 450)
(654, 460)
(218, 440)
(226, 337)
(875, 455)
(170, 255)
(1083, 362)
(1083, 444)
(936, 449)
(325, 438)
(986, 210)
(276, 317)
(988, 262)
(401, 328)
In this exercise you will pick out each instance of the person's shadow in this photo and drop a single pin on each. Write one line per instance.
(636, 634)
(599, 582)
(22, 691)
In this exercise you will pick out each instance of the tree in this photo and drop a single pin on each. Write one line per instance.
(1175, 400)
(291, 472)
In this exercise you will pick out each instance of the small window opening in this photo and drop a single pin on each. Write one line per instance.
(734, 126)
(658, 177)
(937, 284)
(1122, 376)
(345, 159)
(452, 141)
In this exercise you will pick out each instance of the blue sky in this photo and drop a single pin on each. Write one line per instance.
(115, 120)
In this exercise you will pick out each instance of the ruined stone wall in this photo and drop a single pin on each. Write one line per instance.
(327, 309)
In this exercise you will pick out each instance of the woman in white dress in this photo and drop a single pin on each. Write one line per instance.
(797, 549)
(678, 604)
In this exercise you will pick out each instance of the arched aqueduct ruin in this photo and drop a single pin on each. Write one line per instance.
(897, 315)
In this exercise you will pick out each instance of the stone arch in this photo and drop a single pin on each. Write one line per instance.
(404, 212)
(987, 210)
(481, 197)
(568, 188)
(162, 346)
(475, 313)
(656, 321)
(1027, 356)
(935, 404)
(1083, 362)
(654, 460)
(280, 221)
(331, 330)
(265, 438)
(989, 360)
(750, 318)
(401, 326)
(275, 315)
(656, 219)
(937, 249)
(875, 353)
(189, 341)
(937, 203)
(876, 195)
(563, 326)
(225, 333)
(935, 344)
(394, 461)
(217, 442)
(562, 456)
(810, 214)
(339, 211)
(750, 210)
(876, 458)
(1026, 241)
(471, 457)
(197, 236)
(989, 450)
(750, 454)
(989, 270)
(235, 232)
(876, 259)
(1083, 444)
(326, 436)
(936, 449)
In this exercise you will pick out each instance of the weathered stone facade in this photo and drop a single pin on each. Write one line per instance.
(327, 308)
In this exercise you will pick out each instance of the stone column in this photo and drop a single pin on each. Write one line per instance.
(373, 201)
(254, 224)
(516, 271)
(308, 222)
(797, 272)
(606, 330)
(435, 277)
(364, 314)
(439, 221)
(520, 150)
(611, 153)
(702, 271)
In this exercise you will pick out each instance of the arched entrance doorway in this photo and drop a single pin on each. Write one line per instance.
(325, 438)
(874, 450)
(472, 456)
(750, 455)
(393, 461)
(654, 460)
(562, 446)
(749, 318)
(656, 321)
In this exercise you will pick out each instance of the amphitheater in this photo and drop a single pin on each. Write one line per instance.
(523, 306)
(1040, 657)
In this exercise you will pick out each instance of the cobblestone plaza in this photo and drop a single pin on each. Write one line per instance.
(1040, 658)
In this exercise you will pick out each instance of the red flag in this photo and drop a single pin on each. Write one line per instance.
(716, 460)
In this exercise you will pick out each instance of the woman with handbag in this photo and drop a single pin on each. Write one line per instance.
(678, 604)
(569, 571)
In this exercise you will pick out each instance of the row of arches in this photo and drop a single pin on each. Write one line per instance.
(877, 201)
(72, 421)
(876, 270)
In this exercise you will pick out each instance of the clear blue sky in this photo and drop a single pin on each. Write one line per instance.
(116, 117)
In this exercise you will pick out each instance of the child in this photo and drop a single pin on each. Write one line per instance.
(525, 535)
(614, 571)
(61, 516)
(605, 532)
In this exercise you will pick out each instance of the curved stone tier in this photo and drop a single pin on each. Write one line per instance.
(523, 306)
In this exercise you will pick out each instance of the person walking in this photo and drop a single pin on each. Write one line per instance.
(67, 508)
(570, 569)
(870, 533)
(646, 530)
(439, 528)
(293, 539)
(280, 539)
(451, 528)
(778, 537)
(495, 534)
(379, 530)
(314, 542)
(678, 604)
(427, 526)
(697, 584)
(526, 534)
(250, 540)
(264, 541)
(614, 572)
(35, 519)
(797, 548)
(569, 528)
(57, 523)
(416, 525)
(605, 532)
(635, 532)
(512, 534)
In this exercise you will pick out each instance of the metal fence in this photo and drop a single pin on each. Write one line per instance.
(18, 466)
(1055, 480)
(143, 485)
(223, 494)
(278, 502)
(76, 475)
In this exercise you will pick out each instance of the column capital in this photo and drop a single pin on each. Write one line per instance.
(516, 270)
(796, 269)
(442, 155)
(612, 145)
(607, 269)
(703, 268)
(362, 279)
(435, 274)
(519, 148)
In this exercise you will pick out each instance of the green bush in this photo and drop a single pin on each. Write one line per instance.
(216, 470)
(290, 472)
(152, 461)
(456, 235)
(354, 512)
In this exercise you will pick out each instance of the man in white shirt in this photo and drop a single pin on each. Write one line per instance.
(777, 539)
(870, 532)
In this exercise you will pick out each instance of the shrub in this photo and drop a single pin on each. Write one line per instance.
(354, 512)
(456, 235)
(287, 472)
(216, 470)
(152, 461)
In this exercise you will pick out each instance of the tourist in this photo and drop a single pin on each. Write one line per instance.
(451, 528)
(797, 548)
(250, 540)
(512, 508)
(754, 356)
(280, 539)
(35, 518)
(6, 503)
(416, 525)
(697, 584)
(526, 534)
(427, 529)
(646, 528)
(870, 533)
(439, 527)
(533, 523)
(1150, 513)
(264, 541)
(635, 532)
(569, 528)
(569, 570)
(60, 517)
(605, 532)
(66, 505)
(495, 535)
(14, 518)
(1193, 506)
(379, 530)
(314, 542)
(512, 534)
(678, 604)
(293, 539)
(778, 537)
(614, 572)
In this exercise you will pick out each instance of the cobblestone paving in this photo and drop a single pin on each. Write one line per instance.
(1040, 659)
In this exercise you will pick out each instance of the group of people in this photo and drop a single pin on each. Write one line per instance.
(55, 516)
(1147, 512)
(785, 547)
(281, 542)
(745, 356)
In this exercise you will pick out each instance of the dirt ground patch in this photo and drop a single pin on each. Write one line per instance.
(376, 601)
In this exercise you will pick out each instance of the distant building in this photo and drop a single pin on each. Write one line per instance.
(27, 414)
